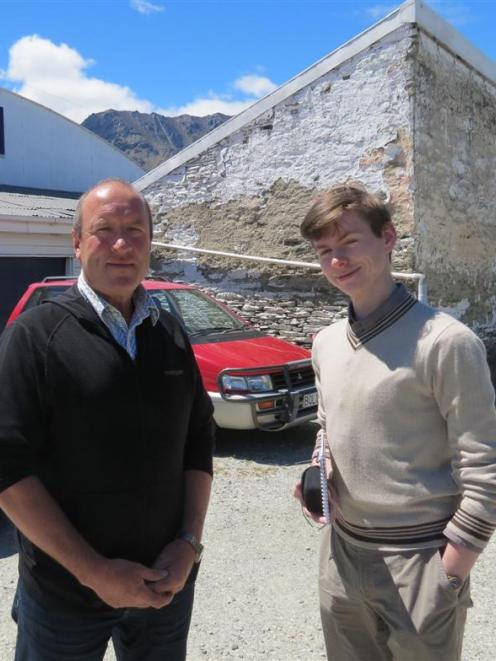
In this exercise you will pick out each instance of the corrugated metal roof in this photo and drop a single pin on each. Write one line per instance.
(20, 205)
(25, 190)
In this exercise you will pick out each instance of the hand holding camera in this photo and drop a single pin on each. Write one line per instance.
(311, 492)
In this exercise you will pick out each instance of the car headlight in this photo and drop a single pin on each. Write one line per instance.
(237, 383)
(261, 383)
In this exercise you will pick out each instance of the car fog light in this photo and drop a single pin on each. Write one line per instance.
(264, 406)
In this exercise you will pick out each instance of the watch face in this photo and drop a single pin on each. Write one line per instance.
(192, 541)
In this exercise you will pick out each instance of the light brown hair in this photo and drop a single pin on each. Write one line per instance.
(331, 204)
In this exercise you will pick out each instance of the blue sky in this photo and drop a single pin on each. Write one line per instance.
(195, 56)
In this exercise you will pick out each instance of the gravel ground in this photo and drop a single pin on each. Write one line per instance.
(256, 594)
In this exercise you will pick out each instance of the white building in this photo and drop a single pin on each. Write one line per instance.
(46, 162)
(407, 107)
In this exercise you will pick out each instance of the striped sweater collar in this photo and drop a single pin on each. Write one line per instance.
(360, 332)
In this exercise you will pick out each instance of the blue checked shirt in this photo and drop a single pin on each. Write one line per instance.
(125, 335)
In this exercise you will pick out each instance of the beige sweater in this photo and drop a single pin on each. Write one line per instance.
(407, 405)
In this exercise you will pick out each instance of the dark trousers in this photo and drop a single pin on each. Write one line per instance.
(138, 634)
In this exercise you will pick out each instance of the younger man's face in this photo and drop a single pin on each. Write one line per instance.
(353, 258)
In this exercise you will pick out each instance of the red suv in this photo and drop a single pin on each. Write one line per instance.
(254, 380)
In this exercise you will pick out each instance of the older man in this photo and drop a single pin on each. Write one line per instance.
(106, 439)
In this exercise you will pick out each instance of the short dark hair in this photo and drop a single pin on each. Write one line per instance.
(78, 213)
(331, 204)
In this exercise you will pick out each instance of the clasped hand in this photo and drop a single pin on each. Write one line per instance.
(125, 584)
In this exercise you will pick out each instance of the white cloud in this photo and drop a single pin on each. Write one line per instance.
(208, 105)
(55, 75)
(251, 85)
(378, 11)
(145, 7)
(255, 85)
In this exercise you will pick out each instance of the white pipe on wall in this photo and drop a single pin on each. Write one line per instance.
(419, 277)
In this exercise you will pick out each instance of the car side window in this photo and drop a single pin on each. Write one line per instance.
(161, 300)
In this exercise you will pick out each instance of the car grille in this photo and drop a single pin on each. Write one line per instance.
(298, 378)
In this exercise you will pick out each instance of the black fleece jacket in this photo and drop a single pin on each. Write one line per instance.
(109, 437)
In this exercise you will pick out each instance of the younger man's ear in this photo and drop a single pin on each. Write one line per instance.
(389, 236)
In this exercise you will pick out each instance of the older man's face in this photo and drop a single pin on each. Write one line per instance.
(115, 241)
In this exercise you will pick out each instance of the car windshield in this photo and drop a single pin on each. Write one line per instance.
(199, 313)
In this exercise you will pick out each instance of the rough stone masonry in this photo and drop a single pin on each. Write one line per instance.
(405, 115)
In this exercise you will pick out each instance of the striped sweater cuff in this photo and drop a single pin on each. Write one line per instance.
(471, 528)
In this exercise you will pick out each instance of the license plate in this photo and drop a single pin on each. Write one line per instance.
(309, 399)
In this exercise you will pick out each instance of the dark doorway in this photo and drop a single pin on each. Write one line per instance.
(2, 134)
(16, 273)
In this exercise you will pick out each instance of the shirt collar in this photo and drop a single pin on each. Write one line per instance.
(394, 307)
(144, 306)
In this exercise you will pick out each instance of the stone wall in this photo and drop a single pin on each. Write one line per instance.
(287, 302)
(293, 305)
(249, 192)
(455, 182)
(408, 119)
(292, 316)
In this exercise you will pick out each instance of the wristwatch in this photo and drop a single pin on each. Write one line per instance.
(455, 581)
(192, 541)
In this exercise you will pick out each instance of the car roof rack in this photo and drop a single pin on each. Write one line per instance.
(48, 278)
(157, 277)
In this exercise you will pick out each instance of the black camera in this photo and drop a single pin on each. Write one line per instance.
(311, 490)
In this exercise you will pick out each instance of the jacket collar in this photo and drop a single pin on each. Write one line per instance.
(73, 301)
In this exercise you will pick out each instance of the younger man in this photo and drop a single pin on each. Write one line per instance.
(407, 407)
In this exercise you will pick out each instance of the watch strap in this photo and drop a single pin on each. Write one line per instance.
(188, 537)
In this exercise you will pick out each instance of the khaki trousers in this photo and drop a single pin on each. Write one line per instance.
(378, 606)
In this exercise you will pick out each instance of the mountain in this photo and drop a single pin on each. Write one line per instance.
(149, 138)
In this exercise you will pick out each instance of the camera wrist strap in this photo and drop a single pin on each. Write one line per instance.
(323, 479)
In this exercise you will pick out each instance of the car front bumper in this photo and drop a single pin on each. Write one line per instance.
(243, 412)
